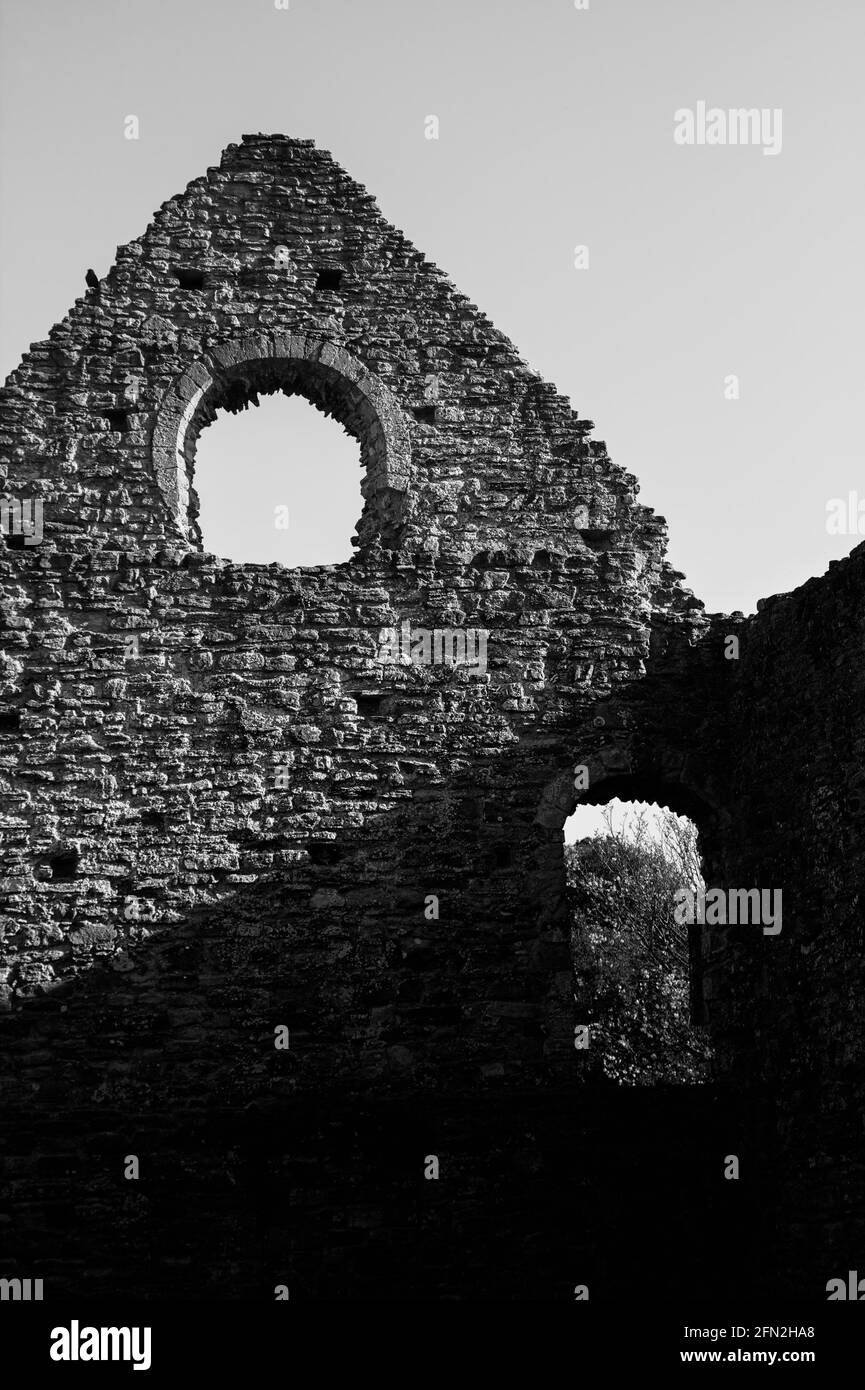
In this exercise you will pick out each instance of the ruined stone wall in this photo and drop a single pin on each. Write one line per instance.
(223, 813)
(791, 1007)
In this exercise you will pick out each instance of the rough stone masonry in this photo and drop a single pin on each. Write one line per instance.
(224, 816)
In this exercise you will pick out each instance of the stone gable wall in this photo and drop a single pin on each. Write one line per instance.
(223, 812)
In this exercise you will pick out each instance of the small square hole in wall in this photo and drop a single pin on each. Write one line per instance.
(118, 420)
(189, 279)
(10, 721)
(64, 864)
(426, 414)
(329, 279)
(369, 705)
(324, 852)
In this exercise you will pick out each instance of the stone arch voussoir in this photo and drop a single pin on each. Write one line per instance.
(327, 375)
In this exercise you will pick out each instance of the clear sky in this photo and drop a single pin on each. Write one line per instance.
(556, 130)
(588, 821)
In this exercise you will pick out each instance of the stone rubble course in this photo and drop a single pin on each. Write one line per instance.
(166, 905)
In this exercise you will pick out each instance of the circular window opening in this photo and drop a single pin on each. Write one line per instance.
(234, 376)
(275, 479)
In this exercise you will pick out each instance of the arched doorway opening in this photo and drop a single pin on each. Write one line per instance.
(586, 893)
(636, 967)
